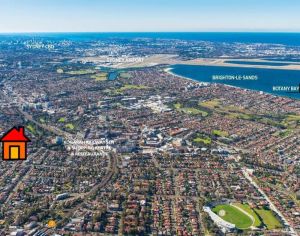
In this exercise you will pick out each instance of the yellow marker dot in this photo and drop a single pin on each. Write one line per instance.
(51, 224)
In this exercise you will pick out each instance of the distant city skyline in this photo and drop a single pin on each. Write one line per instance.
(149, 16)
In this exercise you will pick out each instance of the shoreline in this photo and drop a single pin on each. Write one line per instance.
(169, 71)
(224, 63)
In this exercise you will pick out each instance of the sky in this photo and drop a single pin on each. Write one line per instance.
(149, 16)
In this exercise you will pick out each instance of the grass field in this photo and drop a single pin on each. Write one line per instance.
(283, 133)
(220, 133)
(205, 140)
(177, 105)
(234, 112)
(201, 138)
(242, 221)
(194, 111)
(234, 115)
(293, 118)
(291, 121)
(125, 75)
(190, 110)
(210, 104)
(100, 76)
(245, 207)
(269, 219)
(130, 87)
(61, 120)
(80, 72)
(69, 126)
(234, 216)
(31, 128)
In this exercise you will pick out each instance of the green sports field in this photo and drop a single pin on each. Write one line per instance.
(259, 217)
(247, 208)
(234, 216)
(269, 219)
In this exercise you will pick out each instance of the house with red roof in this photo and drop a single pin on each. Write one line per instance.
(14, 144)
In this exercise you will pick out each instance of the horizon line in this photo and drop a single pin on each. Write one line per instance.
(109, 32)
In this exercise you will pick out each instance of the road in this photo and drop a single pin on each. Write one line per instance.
(272, 206)
(111, 170)
(23, 167)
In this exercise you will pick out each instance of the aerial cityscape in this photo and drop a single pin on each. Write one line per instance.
(144, 133)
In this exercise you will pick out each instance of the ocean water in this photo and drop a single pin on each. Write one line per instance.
(287, 59)
(292, 39)
(266, 78)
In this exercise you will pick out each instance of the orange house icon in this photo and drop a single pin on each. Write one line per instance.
(14, 144)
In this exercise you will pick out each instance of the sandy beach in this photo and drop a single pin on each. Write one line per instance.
(222, 62)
